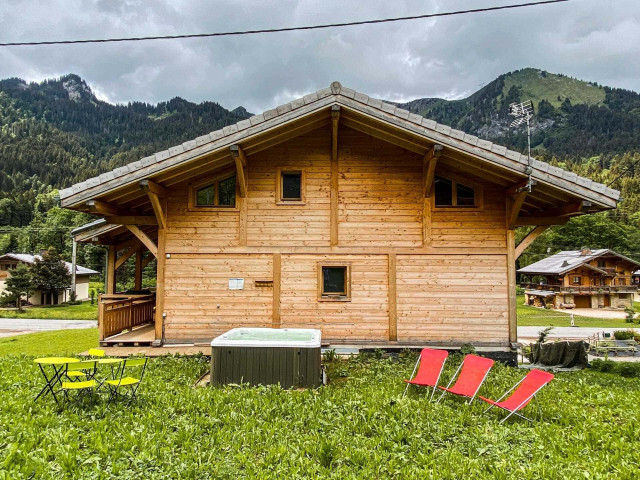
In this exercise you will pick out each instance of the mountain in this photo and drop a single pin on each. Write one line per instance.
(572, 117)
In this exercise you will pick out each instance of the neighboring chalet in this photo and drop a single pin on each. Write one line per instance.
(9, 261)
(581, 278)
(335, 211)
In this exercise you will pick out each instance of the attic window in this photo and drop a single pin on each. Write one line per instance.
(449, 193)
(290, 187)
(219, 193)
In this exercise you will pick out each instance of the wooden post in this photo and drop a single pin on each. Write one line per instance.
(429, 162)
(277, 280)
(110, 280)
(393, 300)
(335, 118)
(137, 279)
(511, 272)
(242, 227)
(101, 308)
(161, 260)
(74, 252)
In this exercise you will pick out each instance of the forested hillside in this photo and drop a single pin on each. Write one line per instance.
(56, 133)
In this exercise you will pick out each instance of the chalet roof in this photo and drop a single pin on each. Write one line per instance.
(563, 262)
(336, 94)
(27, 258)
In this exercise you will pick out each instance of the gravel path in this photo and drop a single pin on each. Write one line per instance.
(17, 326)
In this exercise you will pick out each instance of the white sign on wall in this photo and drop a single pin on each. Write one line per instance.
(236, 284)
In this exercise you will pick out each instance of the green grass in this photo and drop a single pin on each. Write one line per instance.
(536, 88)
(59, 342)
(83, 311)
(534, 316)
(357, 427)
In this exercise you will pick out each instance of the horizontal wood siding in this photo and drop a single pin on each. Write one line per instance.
(380, 202)
(461, 298)
(365, 317)
(472, 227)
(195, 286)
(270, 224)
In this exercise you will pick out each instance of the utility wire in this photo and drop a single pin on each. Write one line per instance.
(284, 29)
(623, 173)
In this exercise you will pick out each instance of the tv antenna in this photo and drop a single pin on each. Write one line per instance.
(523, 112)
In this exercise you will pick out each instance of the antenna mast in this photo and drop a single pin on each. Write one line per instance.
(523, 112)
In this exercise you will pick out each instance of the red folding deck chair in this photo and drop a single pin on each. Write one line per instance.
(525, 390)
(431, 364)
(473, 371)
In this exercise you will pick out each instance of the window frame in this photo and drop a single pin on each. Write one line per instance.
(478, 193)
(573, 279)
(324, 297)
(279, 186)
(206, 182)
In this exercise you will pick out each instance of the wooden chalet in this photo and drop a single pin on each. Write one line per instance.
(581, 278)
(335, 211)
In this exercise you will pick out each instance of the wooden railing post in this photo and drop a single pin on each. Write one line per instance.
(101, 307)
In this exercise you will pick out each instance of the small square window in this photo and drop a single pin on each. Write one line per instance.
(576, 280)
(334, 282)
(291, 186)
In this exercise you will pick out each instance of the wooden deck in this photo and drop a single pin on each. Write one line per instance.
(143, 335)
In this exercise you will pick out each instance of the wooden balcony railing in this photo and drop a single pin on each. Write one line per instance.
(120, 312)
(581, 289)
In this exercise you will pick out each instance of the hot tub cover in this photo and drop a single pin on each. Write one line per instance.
(269, 337)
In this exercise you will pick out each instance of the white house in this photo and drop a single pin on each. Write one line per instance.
(10, 261)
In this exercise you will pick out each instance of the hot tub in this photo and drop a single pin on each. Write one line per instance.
(265, 356)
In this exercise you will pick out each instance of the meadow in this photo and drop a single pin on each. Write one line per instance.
(358, 426)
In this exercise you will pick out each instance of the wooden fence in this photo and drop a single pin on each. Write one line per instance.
(120, 312)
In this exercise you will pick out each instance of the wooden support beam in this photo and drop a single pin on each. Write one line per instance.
(144, 238)
(429, 163)
(511, 286)
(110, 280)
(277, 282)
(125, 256)
(131, 220)
(241, 168)
(147, 185)
(393, 299)
(132, 242)
(529, 239)
(515, 206)
(158, 198)
(102, 208)
(160, 286)
(137, 275)
(335, 120)
(570, 209)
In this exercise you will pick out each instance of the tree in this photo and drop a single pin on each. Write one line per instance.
(19, 284)
(49, 273)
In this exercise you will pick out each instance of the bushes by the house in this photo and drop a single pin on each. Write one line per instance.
(624, 334)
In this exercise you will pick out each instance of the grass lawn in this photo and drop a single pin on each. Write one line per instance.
(357, 427)
(56, 343)
(534, 316)
(83, 311)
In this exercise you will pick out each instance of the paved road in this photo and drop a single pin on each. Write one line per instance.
(17, 326)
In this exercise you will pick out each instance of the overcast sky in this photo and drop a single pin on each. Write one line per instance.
(451, 57)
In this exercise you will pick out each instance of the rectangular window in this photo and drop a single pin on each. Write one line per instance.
(576, 280)
(215, 193)
(602, 264)
(290, 186)
(622, 281)
(449, 193)
(334, 282)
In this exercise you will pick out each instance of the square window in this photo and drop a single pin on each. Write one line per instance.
(334, 282)
(576, 280)
(291, 186)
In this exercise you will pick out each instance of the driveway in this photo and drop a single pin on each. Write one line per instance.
(597, 313)
(579, 333)
(18, 326)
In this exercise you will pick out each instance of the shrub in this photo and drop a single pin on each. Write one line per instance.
(630, 314)
(467, 348)
(628, 369)
(623, 334)
(519, 290)
(603, 365)
(543, 334)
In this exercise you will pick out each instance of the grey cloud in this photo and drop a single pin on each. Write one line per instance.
(446, 57)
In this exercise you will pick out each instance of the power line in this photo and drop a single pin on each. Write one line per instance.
(624, 172)
(284, 29)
